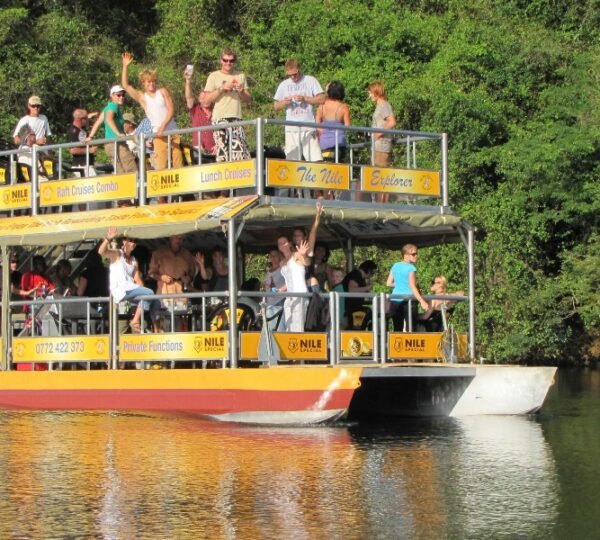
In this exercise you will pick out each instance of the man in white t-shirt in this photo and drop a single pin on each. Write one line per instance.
(297, 95)
(36, 121)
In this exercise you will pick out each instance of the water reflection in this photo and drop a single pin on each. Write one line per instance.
(128, 476)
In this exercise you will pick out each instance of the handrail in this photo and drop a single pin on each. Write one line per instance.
(378, 328)
(264, 138)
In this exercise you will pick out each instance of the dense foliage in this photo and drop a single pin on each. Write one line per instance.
(513, 83)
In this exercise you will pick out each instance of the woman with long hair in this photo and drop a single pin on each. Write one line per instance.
(125, 279)
(383, 118)
(333, 113)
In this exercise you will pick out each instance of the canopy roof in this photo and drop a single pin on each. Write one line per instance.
(387, 226)
(146, 222)
(261, 222)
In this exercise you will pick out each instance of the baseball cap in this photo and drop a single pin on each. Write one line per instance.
(129, 117)
(35, 100)
(116, 89)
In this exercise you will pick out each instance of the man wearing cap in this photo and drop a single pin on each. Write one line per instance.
(77, 133)
(131, 127)
(36, 121)
(113, 129)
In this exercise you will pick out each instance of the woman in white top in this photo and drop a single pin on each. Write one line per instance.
(126, 280)
(293, 270)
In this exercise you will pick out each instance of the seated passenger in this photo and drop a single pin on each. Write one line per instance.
(337, 285)
(126, 280)
(131, 127)
(16, 293)
(217, 274)
(36, 281)
(201, 282)
(432, 319)
(358, 280)
(93, 281)
(61, 277)
(172, 266)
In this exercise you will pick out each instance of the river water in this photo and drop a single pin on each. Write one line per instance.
(126, 476)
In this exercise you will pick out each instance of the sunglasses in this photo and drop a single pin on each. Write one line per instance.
(228, 60)
(413, 254)
(35, 106)
(120, 94)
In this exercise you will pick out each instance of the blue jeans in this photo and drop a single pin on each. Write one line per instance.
(147, 305)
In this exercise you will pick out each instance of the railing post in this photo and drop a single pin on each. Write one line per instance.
(445, 169)
(383, 331)
(374, 328)
(142, 169)
(34, 181)
(334, 329)
(113, 332)
(260, 157)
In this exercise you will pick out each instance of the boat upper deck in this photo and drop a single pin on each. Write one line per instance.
(366, 203)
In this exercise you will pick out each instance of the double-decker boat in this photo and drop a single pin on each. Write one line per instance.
(72, 353)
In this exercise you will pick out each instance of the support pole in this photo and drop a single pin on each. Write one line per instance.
(6, 337)
(260, 157)
(471, 269)
(445, 169)
(233, 290)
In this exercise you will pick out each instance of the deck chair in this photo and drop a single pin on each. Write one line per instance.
(218, 319)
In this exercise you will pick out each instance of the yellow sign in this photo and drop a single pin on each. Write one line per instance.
(410, 181)
(307, 174)
(356, 344)
(61, 349)
(292, 346)
(426, 345)
(177, 346)
(95, 188)
(216, 176)
(3, 172)
(15, 197)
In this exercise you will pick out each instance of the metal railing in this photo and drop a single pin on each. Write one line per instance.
(420, 149)
(73, 317)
